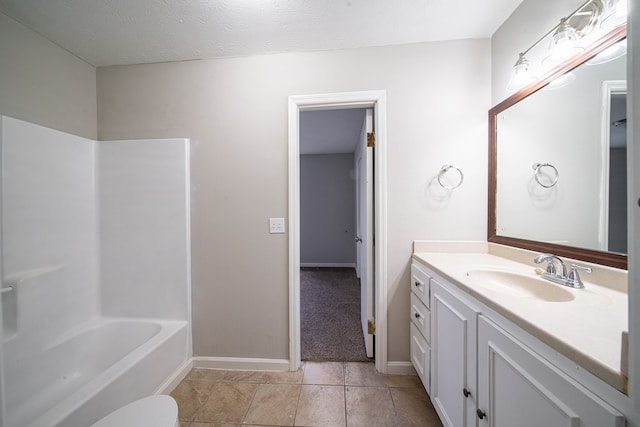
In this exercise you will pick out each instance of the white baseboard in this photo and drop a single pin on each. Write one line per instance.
(172, 382)
(241, 364)
(247, 364)
(328, 264)
(400, 368)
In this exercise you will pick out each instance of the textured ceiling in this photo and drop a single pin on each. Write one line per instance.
(114, 32)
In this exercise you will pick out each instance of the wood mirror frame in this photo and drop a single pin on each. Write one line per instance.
(611, 259)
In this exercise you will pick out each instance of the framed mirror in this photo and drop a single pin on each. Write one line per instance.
(557, 160)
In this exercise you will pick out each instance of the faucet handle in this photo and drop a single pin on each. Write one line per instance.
(573, 278)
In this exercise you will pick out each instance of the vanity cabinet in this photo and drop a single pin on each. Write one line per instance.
(420, 324)
(453, 364)
(483, 374)
(519, 387)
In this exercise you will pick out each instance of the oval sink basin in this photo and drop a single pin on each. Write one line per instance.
(519, 285)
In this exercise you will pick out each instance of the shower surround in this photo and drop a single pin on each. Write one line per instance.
(95, 246)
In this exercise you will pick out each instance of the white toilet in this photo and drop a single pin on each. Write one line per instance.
(152, 411)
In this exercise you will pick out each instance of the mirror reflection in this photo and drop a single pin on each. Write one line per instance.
(561, 159)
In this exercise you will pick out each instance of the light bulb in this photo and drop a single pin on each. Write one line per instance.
(563, 45)
(621, 10)
(520, 75)
(616, 14)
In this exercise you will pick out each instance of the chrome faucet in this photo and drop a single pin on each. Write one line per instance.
(556, 271)
(552, 268)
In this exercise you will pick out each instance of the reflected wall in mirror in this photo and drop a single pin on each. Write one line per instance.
(557, 154)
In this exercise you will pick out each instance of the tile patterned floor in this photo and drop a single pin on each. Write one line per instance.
(331, 394)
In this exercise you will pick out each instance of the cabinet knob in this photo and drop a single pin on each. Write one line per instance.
(466, 392)
(417, 315)
(481, 413)
(417, 283)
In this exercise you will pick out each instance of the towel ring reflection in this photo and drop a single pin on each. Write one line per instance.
(443, 170)
(537, 174)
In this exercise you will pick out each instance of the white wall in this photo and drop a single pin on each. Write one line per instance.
(45, 84)
(235, 113)
(144, 216)
(327, 210)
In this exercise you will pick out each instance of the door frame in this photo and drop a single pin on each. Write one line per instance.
(609, 87)
(366, 99)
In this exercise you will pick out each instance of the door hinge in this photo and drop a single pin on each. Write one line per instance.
(371, 327)
(371, 139)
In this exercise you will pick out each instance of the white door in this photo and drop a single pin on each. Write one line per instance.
(364, 235)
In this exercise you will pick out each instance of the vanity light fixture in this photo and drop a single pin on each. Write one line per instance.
(520, 75)
(565, 38)
(563, 45)
(616, 13)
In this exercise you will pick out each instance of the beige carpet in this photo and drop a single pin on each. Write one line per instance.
(330, 315)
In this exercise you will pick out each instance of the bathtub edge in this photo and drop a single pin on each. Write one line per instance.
(174, 379)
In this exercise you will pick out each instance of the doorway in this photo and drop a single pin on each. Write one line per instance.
(336, 235)
(613, 222)
(376, 101)
(618, 174)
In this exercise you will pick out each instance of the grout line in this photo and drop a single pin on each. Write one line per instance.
(246, 412)
(346, 421)
(295, 415)
(344, 384)
(193, 417)
(344, 374)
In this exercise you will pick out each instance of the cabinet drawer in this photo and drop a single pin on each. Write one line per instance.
(421, 317)
(420, 283)
(421, 357)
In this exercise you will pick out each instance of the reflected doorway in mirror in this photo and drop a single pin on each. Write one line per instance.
(613, 225)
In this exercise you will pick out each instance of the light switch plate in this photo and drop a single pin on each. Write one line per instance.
(276, 225)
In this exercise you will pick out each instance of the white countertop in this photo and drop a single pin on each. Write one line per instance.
(587, 330)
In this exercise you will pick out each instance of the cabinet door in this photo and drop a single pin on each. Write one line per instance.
(517, 387)
(453, 368)
(420, 355)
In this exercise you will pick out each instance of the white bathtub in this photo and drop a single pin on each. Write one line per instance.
(81, 377)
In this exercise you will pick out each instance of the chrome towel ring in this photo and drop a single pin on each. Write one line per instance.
(547, 181)
(443, 170)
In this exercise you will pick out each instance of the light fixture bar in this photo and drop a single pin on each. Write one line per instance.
(570, 29)
(566, 18)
